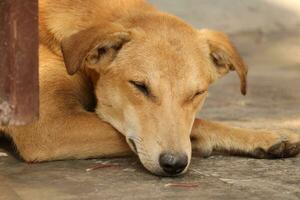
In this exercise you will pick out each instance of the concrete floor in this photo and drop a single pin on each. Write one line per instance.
(273, 102)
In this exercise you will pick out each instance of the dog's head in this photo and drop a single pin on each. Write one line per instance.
(152, 79)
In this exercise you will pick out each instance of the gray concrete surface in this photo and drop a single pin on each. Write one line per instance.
(236, 16)
(273, 102)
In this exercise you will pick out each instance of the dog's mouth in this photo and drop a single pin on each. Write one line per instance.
(132, 145)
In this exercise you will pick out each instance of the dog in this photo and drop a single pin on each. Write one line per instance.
(121, 77)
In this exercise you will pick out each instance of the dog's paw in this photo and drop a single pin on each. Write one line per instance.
(283, 149)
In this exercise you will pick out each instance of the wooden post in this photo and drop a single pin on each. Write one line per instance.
(18, 61)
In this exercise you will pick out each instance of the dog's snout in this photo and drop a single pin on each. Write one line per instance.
(173, 164)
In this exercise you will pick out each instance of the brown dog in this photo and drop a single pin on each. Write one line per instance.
(139, 76)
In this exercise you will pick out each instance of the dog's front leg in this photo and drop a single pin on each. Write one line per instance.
(211, 136)
(73, 136)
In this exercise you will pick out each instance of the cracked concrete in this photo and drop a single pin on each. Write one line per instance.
(270, 43)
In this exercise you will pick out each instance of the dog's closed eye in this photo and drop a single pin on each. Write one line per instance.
(197, 94)
(142, 87)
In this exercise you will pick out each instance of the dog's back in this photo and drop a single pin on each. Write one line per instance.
(62, 18)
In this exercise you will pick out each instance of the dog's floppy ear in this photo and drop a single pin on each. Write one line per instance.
(93, 45)
(225, 56)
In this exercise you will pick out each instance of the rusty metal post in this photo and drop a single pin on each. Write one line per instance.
(18, 61)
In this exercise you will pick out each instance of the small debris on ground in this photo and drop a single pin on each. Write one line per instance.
(232, 181)
(2, 154)
(199, 172)
(182, 185)
(102, 161)
(129, 170)
(101, 166)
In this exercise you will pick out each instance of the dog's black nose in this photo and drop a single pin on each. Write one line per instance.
(173, 164)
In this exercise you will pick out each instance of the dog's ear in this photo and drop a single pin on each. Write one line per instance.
(225, 56)
(92, 46)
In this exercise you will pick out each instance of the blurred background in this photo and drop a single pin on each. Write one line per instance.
(236, 16)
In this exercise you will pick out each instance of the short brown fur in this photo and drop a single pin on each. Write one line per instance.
(145, 75)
